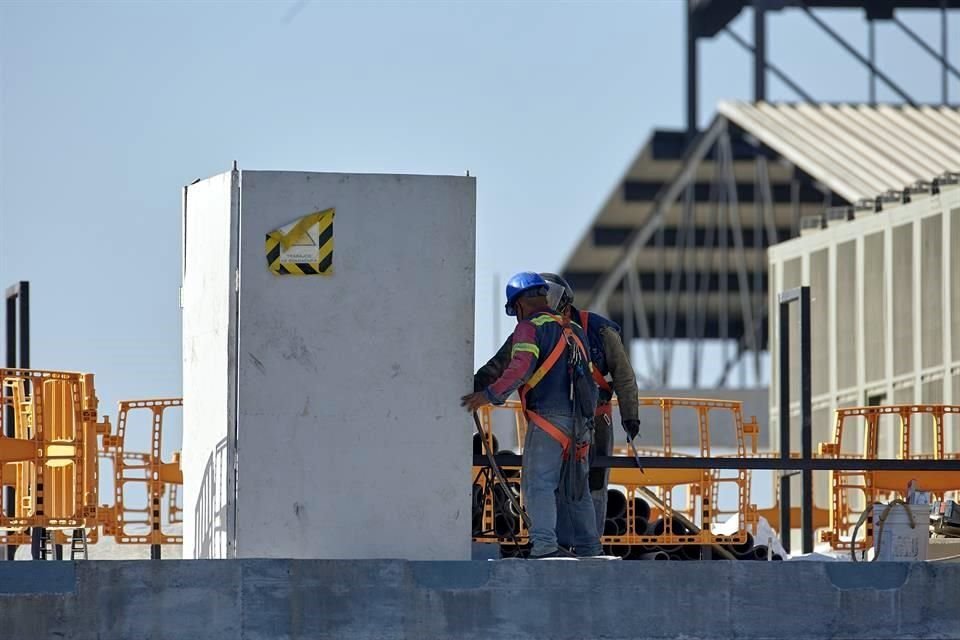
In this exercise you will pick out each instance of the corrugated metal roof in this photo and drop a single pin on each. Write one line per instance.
(858, 151)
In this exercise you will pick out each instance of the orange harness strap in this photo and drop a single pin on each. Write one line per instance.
(547, 365)
(550, 429)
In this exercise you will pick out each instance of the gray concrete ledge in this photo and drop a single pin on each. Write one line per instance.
(392, 599)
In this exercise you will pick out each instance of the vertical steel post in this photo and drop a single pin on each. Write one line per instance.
(10, 361)
(784, 383)
(723, 224)
(24, 324)
(661, 319)
(10, 351)
(691, 74)
(759, 51)
(943, 53)
(17, 356)
(154, 552)
(38, 533)
(806, 420)
(872, 56)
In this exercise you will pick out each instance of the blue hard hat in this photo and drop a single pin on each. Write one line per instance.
(520, 283)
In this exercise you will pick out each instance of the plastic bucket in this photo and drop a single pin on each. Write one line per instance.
(897, 541)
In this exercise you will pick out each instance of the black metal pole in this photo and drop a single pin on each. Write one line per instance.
(943, 52)
(774, 464)
(24, 300)
(154, 552)
(759, 51)
(806, 420)
(785, 423)
(10, 350)
(10, 361)
(691, 74)
(872, 53)
(38, 534)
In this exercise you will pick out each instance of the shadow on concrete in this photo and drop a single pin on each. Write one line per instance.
(210, 512)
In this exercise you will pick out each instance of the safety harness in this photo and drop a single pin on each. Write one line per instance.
(604, 409)
(568, 336)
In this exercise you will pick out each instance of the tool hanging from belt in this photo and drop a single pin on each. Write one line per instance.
(568, 338)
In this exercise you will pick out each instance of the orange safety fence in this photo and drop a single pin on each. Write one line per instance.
(51, 460)
(852, 491)
(702, 486)
(131, 524)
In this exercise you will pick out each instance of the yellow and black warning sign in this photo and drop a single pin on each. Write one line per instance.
(304, 247)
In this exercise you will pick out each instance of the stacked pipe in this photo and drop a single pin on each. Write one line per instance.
(616, 525)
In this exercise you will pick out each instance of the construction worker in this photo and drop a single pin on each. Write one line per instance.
(609, 358)
(550, 367)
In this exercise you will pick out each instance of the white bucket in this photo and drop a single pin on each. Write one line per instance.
(898, 541)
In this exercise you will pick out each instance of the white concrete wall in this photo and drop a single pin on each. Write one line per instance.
(351, 443)
(209, 307)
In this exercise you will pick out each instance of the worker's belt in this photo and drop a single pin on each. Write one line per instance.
(580, 449)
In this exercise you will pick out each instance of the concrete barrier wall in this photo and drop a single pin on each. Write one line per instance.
(296, 387)
(374, 599)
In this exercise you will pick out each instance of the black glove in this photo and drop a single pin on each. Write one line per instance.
(632, 427)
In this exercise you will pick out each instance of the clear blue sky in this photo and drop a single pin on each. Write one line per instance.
(107, 109)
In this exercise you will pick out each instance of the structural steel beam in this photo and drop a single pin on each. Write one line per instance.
(700, 147)
(941, 58)
(775, 464)
(856, 54)
(769, 66)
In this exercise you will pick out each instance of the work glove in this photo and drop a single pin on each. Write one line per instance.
(632, 427)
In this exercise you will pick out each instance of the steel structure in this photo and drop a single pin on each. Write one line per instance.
(677, 252)
(708, 18)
